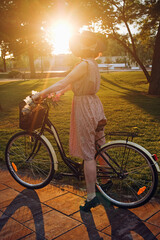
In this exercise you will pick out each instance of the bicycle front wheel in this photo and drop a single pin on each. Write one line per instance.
(29, 160)
(126, 175)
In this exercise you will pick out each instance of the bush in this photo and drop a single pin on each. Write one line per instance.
(14, 74)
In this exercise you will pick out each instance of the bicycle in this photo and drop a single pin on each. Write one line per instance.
(127, 174)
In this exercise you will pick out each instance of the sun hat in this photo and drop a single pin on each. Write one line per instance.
(86, 44)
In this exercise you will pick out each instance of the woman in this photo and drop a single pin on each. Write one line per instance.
(87, 116)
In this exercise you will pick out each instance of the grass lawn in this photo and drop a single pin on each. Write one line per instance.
(123, 94)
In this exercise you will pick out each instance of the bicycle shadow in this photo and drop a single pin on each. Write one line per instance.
(122, 223)
(30, 199)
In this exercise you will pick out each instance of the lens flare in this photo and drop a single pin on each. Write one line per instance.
(59, 35)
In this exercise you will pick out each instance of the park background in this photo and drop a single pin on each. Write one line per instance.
(34, 47)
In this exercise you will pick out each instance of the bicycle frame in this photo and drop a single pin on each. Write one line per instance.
(75, 167)
(131, 169)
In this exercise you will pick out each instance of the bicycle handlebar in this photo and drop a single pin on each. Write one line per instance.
(31, 104)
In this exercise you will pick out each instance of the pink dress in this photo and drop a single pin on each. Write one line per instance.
(87, 111)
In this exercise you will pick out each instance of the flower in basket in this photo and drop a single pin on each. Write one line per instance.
(29, 104)
(28, 100)
(53, 99)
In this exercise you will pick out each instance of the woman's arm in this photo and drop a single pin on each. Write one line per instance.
(73, 76)
(61, 92)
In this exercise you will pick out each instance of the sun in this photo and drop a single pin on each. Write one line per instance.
(59, 35)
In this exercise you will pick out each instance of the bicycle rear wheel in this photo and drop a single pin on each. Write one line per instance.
(29, 160)
(131, 173)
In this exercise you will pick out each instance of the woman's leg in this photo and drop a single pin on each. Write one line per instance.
(90, 178)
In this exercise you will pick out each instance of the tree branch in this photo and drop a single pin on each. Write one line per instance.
(134, 56)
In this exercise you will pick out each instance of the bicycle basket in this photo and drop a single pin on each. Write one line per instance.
(34, 119)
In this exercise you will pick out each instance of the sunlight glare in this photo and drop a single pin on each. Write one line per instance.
(60, 35)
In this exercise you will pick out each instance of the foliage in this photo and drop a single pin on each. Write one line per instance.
(144, 15)
(114, 48)
(4, 50)
(14, 74)
(20, 25)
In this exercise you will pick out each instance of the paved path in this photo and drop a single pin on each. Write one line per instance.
(19, 79)
(10, 80)
(53, 213)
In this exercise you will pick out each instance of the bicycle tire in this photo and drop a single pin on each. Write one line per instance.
(136, 179)
(31, 169)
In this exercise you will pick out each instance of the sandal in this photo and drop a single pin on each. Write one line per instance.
(90, 204)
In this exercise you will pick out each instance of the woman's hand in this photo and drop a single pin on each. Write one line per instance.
(55, 96)
(59, 93)
(37, 98)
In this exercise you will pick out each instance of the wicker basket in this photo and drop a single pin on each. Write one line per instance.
(34, 119)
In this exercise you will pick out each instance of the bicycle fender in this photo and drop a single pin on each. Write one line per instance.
(137, 146)
(52, 152)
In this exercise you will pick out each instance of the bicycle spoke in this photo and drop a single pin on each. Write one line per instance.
(31, 164)
(39, 170)
(132, 176)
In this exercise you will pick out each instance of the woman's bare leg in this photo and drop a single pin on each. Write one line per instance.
(90, 178)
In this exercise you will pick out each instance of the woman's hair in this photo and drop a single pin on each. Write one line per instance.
(86, 45)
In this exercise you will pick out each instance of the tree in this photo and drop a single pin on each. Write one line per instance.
(154, 87)
(147, 16)
(4, 51)
(152, 25)
(113, 13)
(21, 21)
(113, 48)
(124, 12)
(43, 49)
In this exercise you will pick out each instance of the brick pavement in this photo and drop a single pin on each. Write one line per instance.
(53, 213)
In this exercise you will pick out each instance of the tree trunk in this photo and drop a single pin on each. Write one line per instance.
(4, 64)
(154, 86)
(146, 73)
(135, 56)
(31, 60)
(3, 56)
